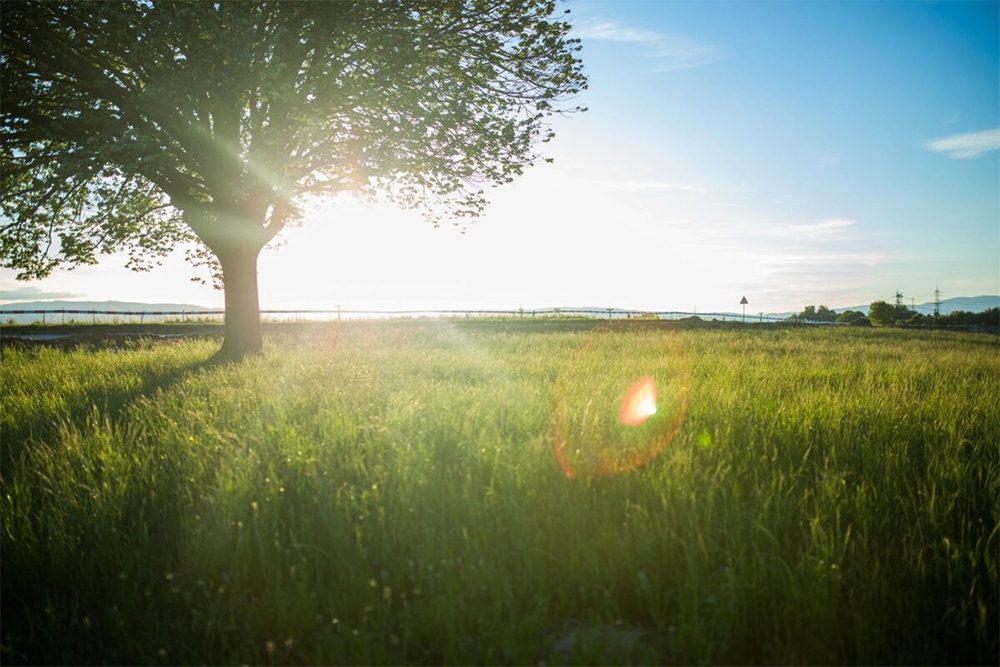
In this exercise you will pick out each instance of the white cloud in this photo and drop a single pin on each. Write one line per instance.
(830, 229)
(641, 186)
(967, 145)
(825, 262)
(32, 293)
(672, 51)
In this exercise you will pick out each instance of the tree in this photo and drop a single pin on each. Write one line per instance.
(808, 313)
(140, 125)
(824, 314)
(812, 314)
(880, 312)
(850, 316)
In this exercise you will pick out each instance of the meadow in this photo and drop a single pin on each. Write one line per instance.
(461, 493)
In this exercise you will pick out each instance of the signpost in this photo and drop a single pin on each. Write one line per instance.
(744, 302)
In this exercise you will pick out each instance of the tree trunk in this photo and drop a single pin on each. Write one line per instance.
(239, 276)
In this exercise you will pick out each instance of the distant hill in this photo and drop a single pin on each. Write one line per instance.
(974, 304)
(120, 306)
(116, 306)
(971, 304)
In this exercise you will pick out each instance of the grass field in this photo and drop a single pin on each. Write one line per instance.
(391, 493)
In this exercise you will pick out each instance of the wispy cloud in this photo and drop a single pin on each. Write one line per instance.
(825, 263)
(835, 278)
(641, 186)
(829, 229)
(672, 51)
(29, 293)
(967, 145)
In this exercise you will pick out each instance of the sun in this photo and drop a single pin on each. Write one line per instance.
(639, 403)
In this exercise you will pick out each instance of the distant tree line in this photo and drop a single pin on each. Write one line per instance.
(887, 314)
(825, 314)
(881, 312)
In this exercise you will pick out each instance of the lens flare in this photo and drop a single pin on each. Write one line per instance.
(639, 403)
(604, 420)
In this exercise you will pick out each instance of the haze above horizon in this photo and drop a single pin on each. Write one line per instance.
(794, 153)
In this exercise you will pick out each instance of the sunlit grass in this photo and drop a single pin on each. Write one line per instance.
(390, 493)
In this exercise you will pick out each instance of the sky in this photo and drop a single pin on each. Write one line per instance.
(790, 152)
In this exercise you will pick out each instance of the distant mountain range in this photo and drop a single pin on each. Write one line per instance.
(974, 304)
(120, 306)
(116, 306)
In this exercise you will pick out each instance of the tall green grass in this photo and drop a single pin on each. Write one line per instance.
(388, 493)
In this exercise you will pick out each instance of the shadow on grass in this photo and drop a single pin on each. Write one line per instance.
(82, 564)
(107, 402)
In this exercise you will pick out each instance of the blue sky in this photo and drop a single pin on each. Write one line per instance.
(792, 114)
(793, 152)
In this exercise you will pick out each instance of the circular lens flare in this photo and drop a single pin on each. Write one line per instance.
(605, 421)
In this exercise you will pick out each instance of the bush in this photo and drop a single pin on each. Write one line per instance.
(850, 316)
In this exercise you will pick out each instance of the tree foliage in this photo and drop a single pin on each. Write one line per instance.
(989, 318)
(849, 317)
(880, 312)
(138, 125)
(813, 314)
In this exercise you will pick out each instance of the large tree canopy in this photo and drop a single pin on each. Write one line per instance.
(141, 125)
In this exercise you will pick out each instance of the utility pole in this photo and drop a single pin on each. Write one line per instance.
(937, 302)
(899, 299)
